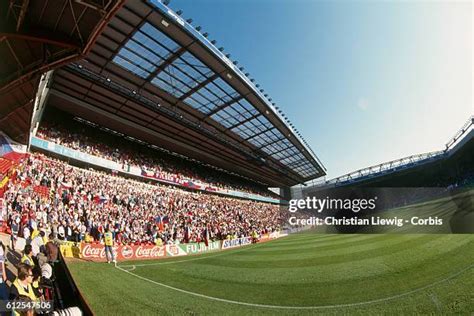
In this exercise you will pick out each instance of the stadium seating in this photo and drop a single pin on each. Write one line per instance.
(77, 204)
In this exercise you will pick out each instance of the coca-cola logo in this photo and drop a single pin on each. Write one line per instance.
(127, 252)
(145, 252)
(173, 250)
(90, 251)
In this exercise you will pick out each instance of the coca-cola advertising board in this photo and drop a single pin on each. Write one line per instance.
(96, 252)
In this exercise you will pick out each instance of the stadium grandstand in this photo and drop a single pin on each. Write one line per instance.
(453, 165)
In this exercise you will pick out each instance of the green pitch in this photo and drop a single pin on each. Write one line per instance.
(305, 273)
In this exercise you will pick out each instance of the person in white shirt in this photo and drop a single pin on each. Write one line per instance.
(36, 244)
(26, 234)
(61, 232)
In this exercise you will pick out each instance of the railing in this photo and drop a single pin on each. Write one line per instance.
(469, 124)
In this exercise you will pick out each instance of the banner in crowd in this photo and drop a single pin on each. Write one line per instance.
(194, 248)
(74, 154)
(5, 147)
(96, 252)
(10, 148)
(238, 242)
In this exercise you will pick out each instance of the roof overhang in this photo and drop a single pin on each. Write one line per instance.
(153, 69)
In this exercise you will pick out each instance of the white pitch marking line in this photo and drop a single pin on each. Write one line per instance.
(131, 266)
(302, 307)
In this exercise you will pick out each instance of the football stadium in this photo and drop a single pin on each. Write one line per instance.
(144, 172)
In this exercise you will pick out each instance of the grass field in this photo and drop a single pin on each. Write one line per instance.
(304, 273)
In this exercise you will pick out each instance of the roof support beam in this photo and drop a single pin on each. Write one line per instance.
(127, 37)
(102, 24)
(165, 64)
(273, 142)
(44, 37)
(21, 17)
(259, 133)
(287, 156)
(281, 150)
(225, 105)
(76, 22)
(12, 51)
(199, 86)
(14, 110)
(245, 121)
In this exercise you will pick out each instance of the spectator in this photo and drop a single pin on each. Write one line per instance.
(46, 269)
(51, 249)
(28, 256)
(22, 284)
(85, 202)
(37, 244)
(14, 225)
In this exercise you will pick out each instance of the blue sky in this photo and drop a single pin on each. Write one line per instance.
(364, 82)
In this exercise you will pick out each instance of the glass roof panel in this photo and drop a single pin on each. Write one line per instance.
(197, 72)
(159, 37)
(150, 44)
(145, 52)
(165, 85)
(134, 53)
(223, 118)
(176, 78)
(189, 58)
(131, 67)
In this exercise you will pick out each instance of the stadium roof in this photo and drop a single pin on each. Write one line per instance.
(151, 75)
(36, 36)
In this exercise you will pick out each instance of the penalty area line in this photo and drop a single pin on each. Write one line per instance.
(380, 300)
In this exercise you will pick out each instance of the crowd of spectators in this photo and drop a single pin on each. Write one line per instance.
(79, 205)
(78, 136)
